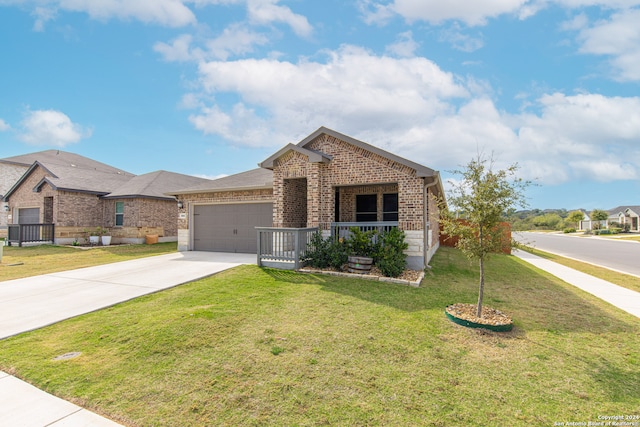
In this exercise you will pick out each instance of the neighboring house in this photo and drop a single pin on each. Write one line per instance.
(10, 171)
(625, 215)
(621, 216)
(327, 180)
(77, 195)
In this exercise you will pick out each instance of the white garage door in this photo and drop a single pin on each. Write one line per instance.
(230, 228)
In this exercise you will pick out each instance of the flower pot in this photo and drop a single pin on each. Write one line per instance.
(106, 240)
(151, 239)
(94, 240)
(359, 264)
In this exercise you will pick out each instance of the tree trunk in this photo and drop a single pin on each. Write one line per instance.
(481, 292)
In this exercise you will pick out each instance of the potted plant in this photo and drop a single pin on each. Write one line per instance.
(361, 247)
(105, 237)
(94, 237)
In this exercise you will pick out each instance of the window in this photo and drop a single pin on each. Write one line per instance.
(119, 214)
(390, 207)
(366, 207)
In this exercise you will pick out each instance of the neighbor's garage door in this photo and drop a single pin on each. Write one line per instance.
(229, 228)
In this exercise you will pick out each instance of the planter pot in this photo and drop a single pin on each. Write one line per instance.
(359, 264)
(470, 324)
(106, 240)
(151, 239)
(94, 240)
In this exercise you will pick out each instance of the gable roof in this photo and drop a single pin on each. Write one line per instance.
(623, 209)
(421, 171)
(254, 179)
(156, 185)
(314, 156)
(71, 172)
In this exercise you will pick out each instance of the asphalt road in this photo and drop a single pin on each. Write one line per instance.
(615, 254)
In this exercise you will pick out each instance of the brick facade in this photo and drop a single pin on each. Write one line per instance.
(76, 214)
(304, 193)
(9, 175)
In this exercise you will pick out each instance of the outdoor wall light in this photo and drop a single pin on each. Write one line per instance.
(6, 208)
(180, 205)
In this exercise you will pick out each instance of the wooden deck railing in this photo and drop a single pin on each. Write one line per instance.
(283, 248)
(342, 230)
(30, 233)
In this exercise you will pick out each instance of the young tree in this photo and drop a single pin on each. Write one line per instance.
(575, 217)
(482, 197)
(598, 215)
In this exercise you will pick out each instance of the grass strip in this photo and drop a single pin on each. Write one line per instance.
(620, 279)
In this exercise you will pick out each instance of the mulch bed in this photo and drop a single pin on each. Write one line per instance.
(490, 316)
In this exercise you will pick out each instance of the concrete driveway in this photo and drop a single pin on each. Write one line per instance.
(34, 302)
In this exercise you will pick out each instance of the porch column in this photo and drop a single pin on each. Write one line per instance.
(314, 194)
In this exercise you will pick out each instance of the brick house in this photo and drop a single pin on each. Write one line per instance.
(78, 194)
(326, 180)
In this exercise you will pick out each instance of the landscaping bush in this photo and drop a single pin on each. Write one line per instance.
(323, 253)
(362, 243)
(390, 258)
(569, 230)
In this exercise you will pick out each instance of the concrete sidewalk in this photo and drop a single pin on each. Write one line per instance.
(623, 298)
(34, 302)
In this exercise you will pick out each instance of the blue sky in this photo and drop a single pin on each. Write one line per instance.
(212, 87)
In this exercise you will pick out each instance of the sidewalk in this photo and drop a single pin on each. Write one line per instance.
(623, 298)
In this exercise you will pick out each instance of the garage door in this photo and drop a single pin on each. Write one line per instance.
(229, 228)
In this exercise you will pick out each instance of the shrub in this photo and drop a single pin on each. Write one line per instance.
(323, 253)
(362, 243)
(569, 230)
(390, 257)
(317, 254)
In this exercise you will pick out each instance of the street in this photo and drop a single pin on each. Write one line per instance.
(615, 254)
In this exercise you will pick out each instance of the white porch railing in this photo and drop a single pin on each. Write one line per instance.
(283, 248)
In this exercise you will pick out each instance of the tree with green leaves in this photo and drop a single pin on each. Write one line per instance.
(482, 198)
(598, 215)
(575, 217)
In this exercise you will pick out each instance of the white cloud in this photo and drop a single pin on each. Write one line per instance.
(235, 40)
(460, 41)
(268, 11)
(352, 90)
(404, 47)
(472, 13)
(172, 13)
(178, 50)
(412, 107)
(617, 37)
(50, 127)
(4, 126)
(436, 12)
(43, 15)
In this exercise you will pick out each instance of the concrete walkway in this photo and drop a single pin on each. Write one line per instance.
(623, 298)
(34, 302)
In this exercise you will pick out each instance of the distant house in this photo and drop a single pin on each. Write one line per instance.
(77, 194)
(625, 217)
(328, 180)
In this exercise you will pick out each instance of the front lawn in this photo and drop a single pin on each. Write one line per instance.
(18, 262)
(254, 346)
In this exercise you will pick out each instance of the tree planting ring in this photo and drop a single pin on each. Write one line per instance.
(471, 324)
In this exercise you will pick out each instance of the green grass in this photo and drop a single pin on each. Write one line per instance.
(18, 262)
(620, 279)
(256, 346)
